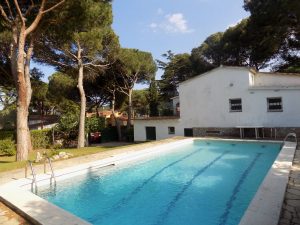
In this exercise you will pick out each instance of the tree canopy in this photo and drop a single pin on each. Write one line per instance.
(134, 66)
(177, 68)
(83, 45)
(277, 23)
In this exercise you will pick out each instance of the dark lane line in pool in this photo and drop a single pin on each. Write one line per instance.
(172, 204)
(229, 204)
(139, 188)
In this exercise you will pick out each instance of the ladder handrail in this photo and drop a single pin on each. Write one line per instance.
(52, 171)
(291, 135)
(33, 176)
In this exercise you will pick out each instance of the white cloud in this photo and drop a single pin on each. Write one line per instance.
(178, 23)
(172, 23)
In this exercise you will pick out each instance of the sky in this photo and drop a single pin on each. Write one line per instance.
(157, 26)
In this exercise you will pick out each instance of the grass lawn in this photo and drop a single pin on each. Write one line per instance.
(8, 162)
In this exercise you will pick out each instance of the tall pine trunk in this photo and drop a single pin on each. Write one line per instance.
(22, 100)
(129, 109)
(28, 87)
(22, 122)
(116, 118)
(81, 134)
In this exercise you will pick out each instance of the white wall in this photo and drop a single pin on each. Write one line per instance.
(276, 80)
(161, 128)
(204, 101)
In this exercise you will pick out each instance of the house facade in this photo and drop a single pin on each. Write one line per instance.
(39, 122)
(227, 99)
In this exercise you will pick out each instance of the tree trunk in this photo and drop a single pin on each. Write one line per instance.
(22, 108)
(97, 111)
(129, 108)
(28, 87)
(81, 136)
(42, 115)
(22, 125)
(116, 118)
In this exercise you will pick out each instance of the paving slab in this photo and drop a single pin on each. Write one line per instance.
(290, 212)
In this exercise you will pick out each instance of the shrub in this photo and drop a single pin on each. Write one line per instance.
(7, 147)
(57, 146)
(40, 138)
(109, 134)
(94, 124)
(67, 128)
(53, 152)
(7, 135)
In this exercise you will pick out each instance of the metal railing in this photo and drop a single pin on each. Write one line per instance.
(52, 171)
(33, 173)
(33, 188)
(293, 135)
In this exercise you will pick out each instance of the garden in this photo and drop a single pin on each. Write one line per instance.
(60, 142)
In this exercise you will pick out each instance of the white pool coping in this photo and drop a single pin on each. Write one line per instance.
(264, 209)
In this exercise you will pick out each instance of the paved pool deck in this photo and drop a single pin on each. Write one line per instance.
(290, 213)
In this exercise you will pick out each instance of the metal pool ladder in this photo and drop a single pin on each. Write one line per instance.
(52, 171)
(34, 182)
(294, 135)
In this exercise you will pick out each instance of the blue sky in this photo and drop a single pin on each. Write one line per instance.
(157, 26)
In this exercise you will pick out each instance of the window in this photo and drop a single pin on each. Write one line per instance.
(274, 104)
(171, 130)
(235, 105)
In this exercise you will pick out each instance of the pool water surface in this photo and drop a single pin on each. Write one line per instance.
(204, 182)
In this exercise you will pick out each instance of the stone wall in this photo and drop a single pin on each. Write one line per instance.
(269, 133)
(216, 131)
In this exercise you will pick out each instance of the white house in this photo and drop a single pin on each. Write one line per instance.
(228, 100)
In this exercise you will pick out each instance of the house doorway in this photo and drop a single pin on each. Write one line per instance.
(188, 132)
(150, 133)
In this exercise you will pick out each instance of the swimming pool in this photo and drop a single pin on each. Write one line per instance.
(206, 182)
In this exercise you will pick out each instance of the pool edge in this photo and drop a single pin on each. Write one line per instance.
(258, 211)
(265, 207)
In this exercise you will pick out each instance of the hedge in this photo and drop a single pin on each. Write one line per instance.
(39, 138)
(7, 147)
(7, 135)
(7, 144)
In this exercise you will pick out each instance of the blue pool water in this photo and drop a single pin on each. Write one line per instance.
(205, 182)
